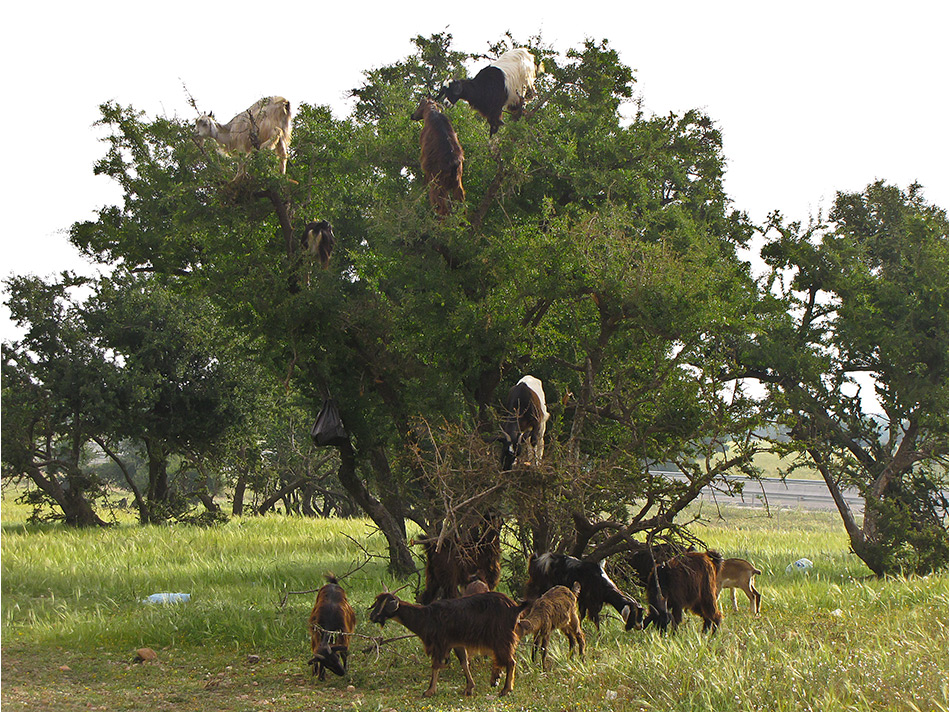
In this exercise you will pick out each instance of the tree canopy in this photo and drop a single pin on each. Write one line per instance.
(596, 250)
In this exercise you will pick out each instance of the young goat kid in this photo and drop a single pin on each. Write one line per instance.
(504, 84)
(740, 574)
(480, 623)
(441, 157)
(264, 125)
(332, 622)
(555, 609)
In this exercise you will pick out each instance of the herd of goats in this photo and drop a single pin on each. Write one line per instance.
(459, 610)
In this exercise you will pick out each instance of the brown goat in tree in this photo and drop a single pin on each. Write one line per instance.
(332, 622)
(740, 574)
(555, 609)
(477, 624)
(442, 157)
(686, 582)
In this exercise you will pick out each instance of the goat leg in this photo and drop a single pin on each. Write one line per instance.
(462, 655)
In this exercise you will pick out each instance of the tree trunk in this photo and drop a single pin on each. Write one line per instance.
(237, 505)
(281, 495)
(158, 490)
(77, 511)
(388, 490)
(400, 558)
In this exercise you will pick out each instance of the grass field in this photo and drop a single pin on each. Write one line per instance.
(834, 639)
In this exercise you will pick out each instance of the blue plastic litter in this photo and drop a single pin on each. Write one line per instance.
(166, 598)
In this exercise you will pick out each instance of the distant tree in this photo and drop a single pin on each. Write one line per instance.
(57, 397)
(865, 295)
(132, 363)
(186, 381)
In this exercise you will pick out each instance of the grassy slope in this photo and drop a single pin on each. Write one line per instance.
(834, 639)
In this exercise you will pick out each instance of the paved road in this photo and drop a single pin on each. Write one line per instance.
(806, 494)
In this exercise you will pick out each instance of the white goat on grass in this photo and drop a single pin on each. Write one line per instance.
(264, 125)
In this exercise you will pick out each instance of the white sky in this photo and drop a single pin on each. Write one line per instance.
(812, 97)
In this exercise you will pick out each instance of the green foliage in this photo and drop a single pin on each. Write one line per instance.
(867, 294)
(596, 249)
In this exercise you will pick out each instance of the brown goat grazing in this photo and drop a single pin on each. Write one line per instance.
(555, 609)
(263, 125)
(452, 566)
(332, 622)
(685, 582)
(480, 623)
(441, 158)
(740, 574)
(638, 563)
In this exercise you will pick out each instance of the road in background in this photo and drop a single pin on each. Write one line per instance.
(775, 492)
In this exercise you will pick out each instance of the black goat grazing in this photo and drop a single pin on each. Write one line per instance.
(318, 240)
(526, 417)
(504, 84)
(550, 569)
(332, 622)
(441, 157)
(480, 623)
(686, 582)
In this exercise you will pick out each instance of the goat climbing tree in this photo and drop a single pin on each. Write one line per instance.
(597, 251)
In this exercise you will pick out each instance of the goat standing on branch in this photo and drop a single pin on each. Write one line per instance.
(477, 624)
(505, 84)
(332, 622)
(526, 416)
(264, 125)
(318, 240)
(441, 157)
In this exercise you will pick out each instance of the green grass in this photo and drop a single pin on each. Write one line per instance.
(832, 639)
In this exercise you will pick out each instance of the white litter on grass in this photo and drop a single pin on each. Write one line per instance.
(166, 598)
(837, 612)
(802, 565)
(611, 695)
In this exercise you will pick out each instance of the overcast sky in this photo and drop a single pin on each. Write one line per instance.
(811, 97)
